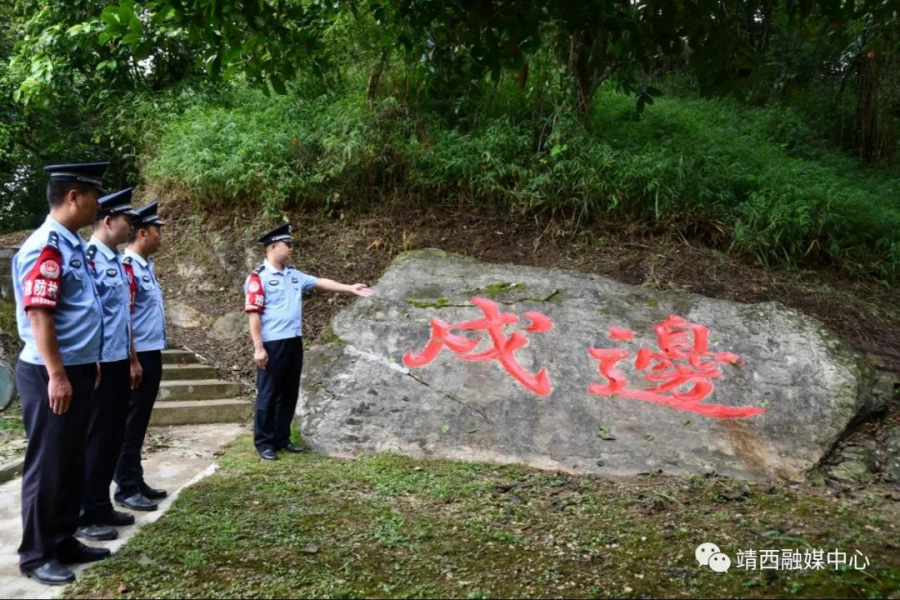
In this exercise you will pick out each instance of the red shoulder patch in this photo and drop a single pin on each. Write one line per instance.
(41, 285)
(132, 284)
(255, 294)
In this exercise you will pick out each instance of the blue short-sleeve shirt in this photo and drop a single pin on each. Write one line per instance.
(148, 319)
(114, 289)
(278, 297)
(51, 271)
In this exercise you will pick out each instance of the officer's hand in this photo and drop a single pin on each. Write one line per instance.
(361, 289)
(261, 357)
(59, 392)
(97, 379)
(137, 374)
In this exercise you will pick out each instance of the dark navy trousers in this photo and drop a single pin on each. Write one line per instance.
(129, 474)
(106, 431)
(52, 480)
(277, 389)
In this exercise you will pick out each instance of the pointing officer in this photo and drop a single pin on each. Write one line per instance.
(60, 321)
(274, 304)
(119, 363)
(148, 324)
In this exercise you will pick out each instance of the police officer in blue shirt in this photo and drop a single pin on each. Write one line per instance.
(148, 323)
(60, 320)
(118, 362)
(274, 304)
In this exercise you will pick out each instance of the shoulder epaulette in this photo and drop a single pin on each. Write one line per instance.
(53, 240)
(259, 269)
(92, 252)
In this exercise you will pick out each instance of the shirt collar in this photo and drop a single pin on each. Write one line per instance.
(107, 252)
(271, 268)
(59, 228)
(135, 256)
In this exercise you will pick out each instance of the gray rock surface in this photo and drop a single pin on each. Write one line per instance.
(182, 314)
(358, 396)
(892, 454)
(6, 255)
(231, 326)
(7, 384)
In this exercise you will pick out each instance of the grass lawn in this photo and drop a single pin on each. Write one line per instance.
(388, 526)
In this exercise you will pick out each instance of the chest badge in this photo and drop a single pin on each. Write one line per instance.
(111, 272)
(273, 282)
(146, 278)
(75, 263)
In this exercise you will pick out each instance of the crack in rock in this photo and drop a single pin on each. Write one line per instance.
(451, 397)
(377, 358)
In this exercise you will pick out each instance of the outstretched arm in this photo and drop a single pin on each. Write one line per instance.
(329, 285)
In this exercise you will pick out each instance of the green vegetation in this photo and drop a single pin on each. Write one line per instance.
(748, 178)
(600, 111)
(12, 433)
(8, 324)
(441, 302)
(389, 526)
(501, 287)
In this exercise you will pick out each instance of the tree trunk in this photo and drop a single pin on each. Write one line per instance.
(374, 78)
(875, 127)
(581, 65)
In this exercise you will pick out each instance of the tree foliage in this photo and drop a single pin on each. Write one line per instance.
(429, 89)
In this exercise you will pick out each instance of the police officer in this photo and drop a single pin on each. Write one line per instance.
(274, 304)
(148, 324)
(60, 321)
(118, 362)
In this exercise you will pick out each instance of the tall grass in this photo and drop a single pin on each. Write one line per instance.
(755, 176)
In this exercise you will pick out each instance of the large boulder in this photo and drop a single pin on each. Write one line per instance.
(181, 314)
(231, 326)
(752, 391)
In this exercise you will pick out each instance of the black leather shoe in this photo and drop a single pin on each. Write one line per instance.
(295, 448)
(51, 573)
(268, 454)
(151, 494)
(138, 502)
(118, 519)
(73, 551)
(97, 533)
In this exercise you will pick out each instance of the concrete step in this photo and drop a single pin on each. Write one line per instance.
(197, 412)
(199, 389)
(183, 372)
(177, 356)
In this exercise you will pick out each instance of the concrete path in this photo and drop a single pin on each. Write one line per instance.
(184, 454)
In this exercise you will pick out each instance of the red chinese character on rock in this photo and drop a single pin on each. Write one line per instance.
(504, 347)
(682, 370)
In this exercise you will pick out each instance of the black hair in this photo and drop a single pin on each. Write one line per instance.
(132, 237)
(58, 190)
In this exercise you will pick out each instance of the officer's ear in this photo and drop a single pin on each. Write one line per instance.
(71, 196)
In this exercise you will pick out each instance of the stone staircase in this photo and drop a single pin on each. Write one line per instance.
(191, 393)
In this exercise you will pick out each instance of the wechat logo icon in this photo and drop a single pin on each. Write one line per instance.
(709, 555)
